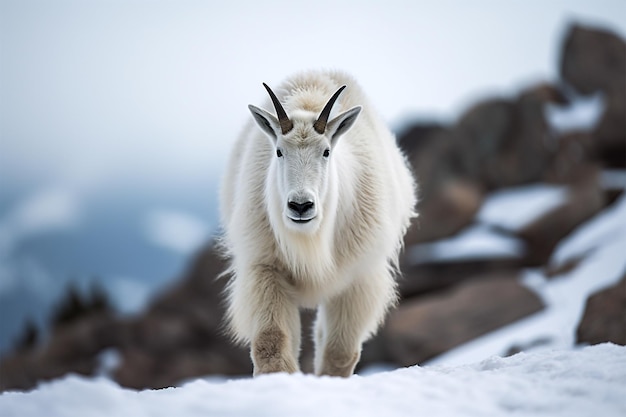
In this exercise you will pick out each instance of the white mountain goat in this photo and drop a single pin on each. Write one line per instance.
(313, 216)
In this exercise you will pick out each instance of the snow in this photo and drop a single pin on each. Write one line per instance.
(475, 242)
(608, 227)
(513, 208)
(585, 382)
(108, 361)
(508, 210)
(552, 378)
(582, 114)
(600, 242)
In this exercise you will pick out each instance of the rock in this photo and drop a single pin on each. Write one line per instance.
(419, 136)
(532, 344)
(424, 327)
(447, 202)
(19, 371)
(73, 348)
(553, 270)
(496, 143)
(182, 334)
(610, 134)
(502, 143)
(446, 211)
(431, 277)
(574, 155)
(594, 60)
(604, 319)
(585, 199)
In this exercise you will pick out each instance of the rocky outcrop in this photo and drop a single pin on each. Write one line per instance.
(73, 348)
(422, 328)
(180, 336)
(501, 143)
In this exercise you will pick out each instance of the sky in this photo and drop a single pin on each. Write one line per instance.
(97, 94)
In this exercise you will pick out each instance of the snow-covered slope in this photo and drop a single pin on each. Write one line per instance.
(586, 382)
(599, 244)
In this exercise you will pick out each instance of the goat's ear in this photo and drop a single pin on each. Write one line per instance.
(266, 121)
(340, 124)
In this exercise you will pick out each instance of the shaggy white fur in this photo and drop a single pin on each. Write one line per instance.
(314, 219)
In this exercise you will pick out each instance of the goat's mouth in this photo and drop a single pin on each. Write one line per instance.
(301, 220)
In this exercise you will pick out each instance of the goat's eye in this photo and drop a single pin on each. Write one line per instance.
(279, 153)
(326, 153)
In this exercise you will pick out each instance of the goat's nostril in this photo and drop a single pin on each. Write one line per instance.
(300, 208)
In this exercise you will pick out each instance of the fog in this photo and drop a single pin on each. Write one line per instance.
(95, 93)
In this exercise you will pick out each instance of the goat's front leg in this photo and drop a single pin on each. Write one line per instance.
(344, 322)
(275, 322)
(271, 352)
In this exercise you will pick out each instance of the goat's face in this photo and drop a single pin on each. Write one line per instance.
(303, 148)
(301, 174)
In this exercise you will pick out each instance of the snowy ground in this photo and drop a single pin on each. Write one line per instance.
(555, 379)
(586, 382)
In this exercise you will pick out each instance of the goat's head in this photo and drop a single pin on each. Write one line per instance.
(303, 145)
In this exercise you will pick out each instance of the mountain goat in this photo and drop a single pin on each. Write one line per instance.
(313, 215)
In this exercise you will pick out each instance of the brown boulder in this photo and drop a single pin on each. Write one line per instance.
(594, 60)
(447, 201)
(418, 137)
(424, 327)
(502, 143)
(585, 198)
(610, 133)
(445, 211)
(496, 143)
(428, 277)
(575, 153)
(604, 319)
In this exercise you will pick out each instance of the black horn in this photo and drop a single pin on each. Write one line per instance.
(285, 124)
(320, 123)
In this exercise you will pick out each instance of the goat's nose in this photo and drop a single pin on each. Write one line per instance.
(300, 208)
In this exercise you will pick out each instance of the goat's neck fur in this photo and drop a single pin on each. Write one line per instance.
(309, 256)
